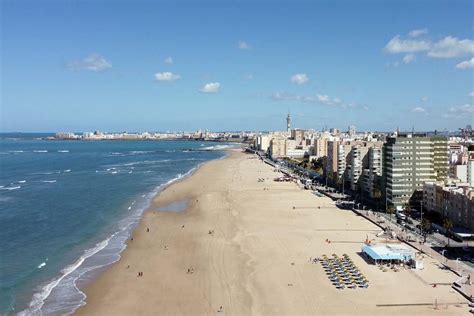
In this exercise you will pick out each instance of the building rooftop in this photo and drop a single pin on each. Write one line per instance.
(388, 252)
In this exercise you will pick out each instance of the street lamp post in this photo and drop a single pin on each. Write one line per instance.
(421, 218)
(343, 180)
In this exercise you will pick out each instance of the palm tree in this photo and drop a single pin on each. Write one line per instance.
(448, 225)
(390, 210)
(377, 195)
(425, 224)
(407, 209)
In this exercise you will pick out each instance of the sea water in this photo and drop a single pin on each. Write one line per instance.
(68, 207)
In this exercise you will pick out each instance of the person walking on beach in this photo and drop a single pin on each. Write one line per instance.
(147, 230)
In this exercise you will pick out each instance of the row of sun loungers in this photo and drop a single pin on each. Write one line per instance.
(343, 273)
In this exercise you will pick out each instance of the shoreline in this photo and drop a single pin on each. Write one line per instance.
(154, 194)
(40, 297)
(246, 244)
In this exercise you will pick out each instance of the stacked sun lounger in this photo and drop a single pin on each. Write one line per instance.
(343, 273)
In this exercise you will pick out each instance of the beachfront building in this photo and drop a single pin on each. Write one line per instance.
(262, 142)
(278, 147)
(320, 148)
(453, 201)
(429, 196)
(373, 174)
(359, 161)
(440, 157)
(409, 163)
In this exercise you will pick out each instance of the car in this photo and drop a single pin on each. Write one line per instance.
(409, 221)
(469, 258)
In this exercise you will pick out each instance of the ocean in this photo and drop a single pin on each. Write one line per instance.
(67, 208)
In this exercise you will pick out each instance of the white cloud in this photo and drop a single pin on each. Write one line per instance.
(212, 87)
(249, 77)
(324, 99)
(450, 47)
(299, 79)
(93, 62)
(462, 109)
(408, 58)
(418, 110)
(318, 98)
(244, 45)
(471, 94)
(419, 32)
(467, 64)
(169, 60)
(166, 76)
(398, 45)
(424, 99)
(282, 96)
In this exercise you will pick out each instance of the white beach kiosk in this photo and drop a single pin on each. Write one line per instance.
(389, 253)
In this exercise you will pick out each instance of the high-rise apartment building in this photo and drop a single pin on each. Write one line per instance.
(410, 161)
(373, 174)
(441, 157)
(359, 161)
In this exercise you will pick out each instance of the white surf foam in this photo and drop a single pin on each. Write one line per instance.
(41, 265)
(38, 299)
(48, 181)
(21, 181)
(63, 151)
(40, 151)
(11, 188)
(217, 147)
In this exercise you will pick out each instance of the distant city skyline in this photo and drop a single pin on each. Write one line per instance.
(144, 66)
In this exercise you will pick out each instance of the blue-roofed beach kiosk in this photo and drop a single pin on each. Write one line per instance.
(393, 253)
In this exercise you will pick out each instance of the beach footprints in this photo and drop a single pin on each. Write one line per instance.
(342, 272)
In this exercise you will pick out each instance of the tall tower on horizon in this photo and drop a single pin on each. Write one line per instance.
(288, 123)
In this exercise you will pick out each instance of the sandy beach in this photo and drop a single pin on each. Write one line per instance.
(247, 245)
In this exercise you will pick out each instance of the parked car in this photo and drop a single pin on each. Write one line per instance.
(401, 222)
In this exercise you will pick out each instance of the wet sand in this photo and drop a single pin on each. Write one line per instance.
(247, 244)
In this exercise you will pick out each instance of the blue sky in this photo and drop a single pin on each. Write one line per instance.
(233, 65)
